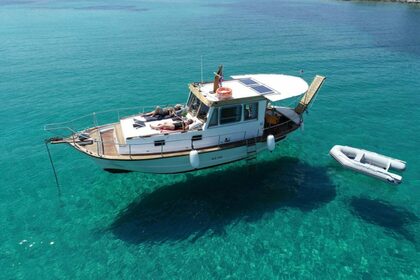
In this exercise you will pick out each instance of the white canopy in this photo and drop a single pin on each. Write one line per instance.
(274, 87)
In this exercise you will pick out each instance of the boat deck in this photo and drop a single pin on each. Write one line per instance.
(104, 145)
(108, 143)
(118, 133)
(104, 141)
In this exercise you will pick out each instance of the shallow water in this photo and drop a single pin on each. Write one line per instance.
(293, 214)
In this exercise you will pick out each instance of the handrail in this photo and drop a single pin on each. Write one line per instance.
(101, 143)
(65, 125)
(163, 148)
(94, 117)
(280, 124)
(172, 141)
(105, 111)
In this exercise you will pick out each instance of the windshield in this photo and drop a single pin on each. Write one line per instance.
(196, 108)
(193, 104)
(202, 112)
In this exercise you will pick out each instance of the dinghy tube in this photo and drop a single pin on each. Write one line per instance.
(368, 163)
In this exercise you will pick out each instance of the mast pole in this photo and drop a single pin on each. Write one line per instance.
(201, 60)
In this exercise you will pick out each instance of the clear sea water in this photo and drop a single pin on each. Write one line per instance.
(294, 214)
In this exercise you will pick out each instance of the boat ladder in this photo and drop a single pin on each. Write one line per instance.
(310, 94)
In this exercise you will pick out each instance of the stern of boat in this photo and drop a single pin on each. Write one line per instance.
(280, 121)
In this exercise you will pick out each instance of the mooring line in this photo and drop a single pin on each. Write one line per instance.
(53, 167)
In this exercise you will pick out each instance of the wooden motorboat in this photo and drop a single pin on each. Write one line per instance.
(219, 123)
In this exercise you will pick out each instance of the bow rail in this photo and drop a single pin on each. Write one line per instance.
(96, 119)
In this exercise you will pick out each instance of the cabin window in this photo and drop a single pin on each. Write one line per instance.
(197, 138)
(251, 111)
(230, 114)
(214, 120)
(190, 99)
(159, 143)
(202, 112)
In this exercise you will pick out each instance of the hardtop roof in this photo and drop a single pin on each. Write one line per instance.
(252, 87)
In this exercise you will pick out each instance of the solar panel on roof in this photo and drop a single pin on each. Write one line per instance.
(248, 81)
(261, 89)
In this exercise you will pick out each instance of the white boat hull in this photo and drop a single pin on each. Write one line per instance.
(368, 163)
(179, 164)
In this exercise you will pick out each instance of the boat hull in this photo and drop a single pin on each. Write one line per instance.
(180, 164)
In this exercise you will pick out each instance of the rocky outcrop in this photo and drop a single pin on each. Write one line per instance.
(404, 1)
(401, 1)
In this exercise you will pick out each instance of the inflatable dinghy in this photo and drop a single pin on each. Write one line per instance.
(368, 163)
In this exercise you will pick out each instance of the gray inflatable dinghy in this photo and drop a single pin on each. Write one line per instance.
(369, 163)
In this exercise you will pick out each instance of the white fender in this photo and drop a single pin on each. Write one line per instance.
(271, 143)
(194, 159)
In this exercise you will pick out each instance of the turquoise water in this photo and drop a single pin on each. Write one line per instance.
(294, 214)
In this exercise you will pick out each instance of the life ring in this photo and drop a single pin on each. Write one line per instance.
(224, 92)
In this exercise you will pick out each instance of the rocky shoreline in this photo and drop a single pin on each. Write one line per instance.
(401, 1)
(407, 1)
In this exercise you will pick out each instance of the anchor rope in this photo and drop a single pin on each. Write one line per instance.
(53, 168)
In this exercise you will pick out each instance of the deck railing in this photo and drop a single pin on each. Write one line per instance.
(96, 119)
(182, 144)
(219, 140)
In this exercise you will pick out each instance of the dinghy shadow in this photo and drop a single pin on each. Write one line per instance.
(207, 204)
(393, 219)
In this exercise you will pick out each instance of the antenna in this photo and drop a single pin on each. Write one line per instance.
(202, 69)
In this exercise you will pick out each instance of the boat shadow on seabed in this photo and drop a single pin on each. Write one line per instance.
(208, 203)
(394, 219)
